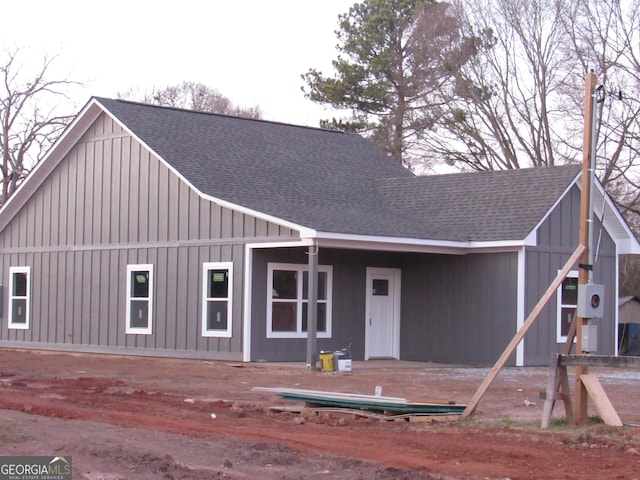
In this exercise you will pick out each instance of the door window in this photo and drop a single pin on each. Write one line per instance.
(380, 287)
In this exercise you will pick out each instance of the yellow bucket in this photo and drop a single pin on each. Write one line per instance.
(326, 361)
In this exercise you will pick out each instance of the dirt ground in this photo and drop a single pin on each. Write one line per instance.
(148, 418)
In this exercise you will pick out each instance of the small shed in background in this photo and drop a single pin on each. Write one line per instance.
(629, 326)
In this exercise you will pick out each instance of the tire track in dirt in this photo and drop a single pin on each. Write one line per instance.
(450, 450)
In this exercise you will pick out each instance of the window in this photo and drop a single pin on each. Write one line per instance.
(19, 295)
(567, 304)
(217, 288)
(288, 304)
(380, 287)
(139, 299)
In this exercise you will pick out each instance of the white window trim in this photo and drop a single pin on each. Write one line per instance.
(559, 337)
(26, 325)
(205, 269)
(299, 268)
(135, 330)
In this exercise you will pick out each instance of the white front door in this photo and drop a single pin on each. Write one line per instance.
(382, 313)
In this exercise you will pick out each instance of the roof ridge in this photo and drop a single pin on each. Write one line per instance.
(477, 173)
(214, 114)
(507, 171)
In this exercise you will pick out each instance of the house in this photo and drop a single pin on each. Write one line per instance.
(158, 231)
(629, 325)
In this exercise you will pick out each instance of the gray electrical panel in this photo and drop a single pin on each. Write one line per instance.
(590, 300)
(589, 338)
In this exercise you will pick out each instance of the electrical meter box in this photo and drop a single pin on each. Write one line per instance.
(589, 338)
(590, 300)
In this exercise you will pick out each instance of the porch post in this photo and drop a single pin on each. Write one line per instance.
(312, 308)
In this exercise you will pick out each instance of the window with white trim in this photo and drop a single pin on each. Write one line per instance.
(288, 303)
(567, 305)
(139, 299)
(217, 299)
(19, 297)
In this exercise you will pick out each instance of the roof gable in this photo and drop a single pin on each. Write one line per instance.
(316, 178)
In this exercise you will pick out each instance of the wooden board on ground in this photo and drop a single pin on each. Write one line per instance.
(433, 418)
(286, 409)
(600, 399)
(353, 413)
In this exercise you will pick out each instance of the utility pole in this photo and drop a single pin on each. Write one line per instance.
(585, 262)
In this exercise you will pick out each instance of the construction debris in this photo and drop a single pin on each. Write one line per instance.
(365, 403)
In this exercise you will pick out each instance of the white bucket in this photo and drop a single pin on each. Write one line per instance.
(342, 361)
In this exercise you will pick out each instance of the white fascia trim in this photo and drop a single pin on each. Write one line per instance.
(283, 244)
(223, 203)
(304, 231)
(531, 240)
(628, 246)
(403, 244)
(325, 237)
(496, 246)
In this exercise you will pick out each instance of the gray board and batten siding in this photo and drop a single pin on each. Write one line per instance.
(459, 308)
(110, 203)
(448, 311)
(556, 241)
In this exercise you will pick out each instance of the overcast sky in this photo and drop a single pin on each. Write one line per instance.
(252, 51)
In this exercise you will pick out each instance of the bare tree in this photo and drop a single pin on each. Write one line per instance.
(506, 110)
(520, 101)
(193, 96)
(605, 38)
(29, 118)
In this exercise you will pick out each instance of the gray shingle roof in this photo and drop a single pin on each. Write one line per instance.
(338, 182)
(481, 206)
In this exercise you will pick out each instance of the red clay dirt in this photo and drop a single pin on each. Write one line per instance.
(127, 418)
